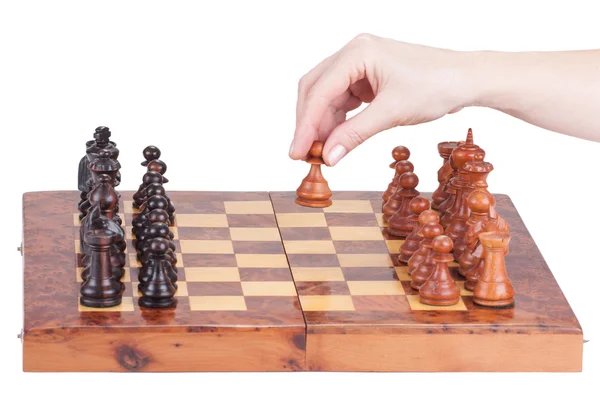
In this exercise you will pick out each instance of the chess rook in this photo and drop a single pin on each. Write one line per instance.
(314, 190)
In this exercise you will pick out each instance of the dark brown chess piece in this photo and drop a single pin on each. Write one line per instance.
(467, 249)
(404, 219)
(459, 183)
(157, 230)
(100, 289)
(157, 189)
(444, 174)
(149, 178)
(413, 241)
(151, 153)
(153, 203)
(400, 153)
(158, 291)
(423, 255)
(160, 167)
(404, 194)
(401, 167)
(314, 190)
(101, 164)
(440, 289)
(493, 289)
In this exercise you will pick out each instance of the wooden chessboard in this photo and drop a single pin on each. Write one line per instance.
(267, 285)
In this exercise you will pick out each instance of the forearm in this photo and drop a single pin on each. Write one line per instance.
(559, 91)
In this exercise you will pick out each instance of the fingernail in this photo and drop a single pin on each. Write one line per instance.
(336, 154)
(291, 148)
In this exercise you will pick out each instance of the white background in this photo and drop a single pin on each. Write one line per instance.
(214, 86)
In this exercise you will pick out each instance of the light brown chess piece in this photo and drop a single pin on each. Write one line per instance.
(440, 289)
(493, 289)
(444, 174)
(467, 249)
(423, 269)
(401, 167)
(402, 222)
(413, 241)
(404, 194)
(314, 190)
(400, 153)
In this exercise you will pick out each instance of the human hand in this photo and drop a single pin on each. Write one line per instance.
(406, 84)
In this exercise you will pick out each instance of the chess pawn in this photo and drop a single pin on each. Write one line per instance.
(158, 291)
(467, 249)
(444, 174)
(404, 194)
(100, 289)
(154, 189)
(314, 190)
(404, 220)
(413, 241)
(493, 289)
(151, 153)
(153, 203)
(400, 168)
(400, 153)
(160, 167)
(149, 178)
(440, 289)
(423, 269)
(158, 230)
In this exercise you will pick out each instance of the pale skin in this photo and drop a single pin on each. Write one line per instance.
(409, 84)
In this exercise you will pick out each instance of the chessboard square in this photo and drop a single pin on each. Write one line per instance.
(463, 291)
(204, 233)
(182, 289)
(322, 288)
(301, 220)
(133, 261)
(312, 274)
(202, 220)
(355, 233)
(350, 206)
(206, 246)
(255, 234)
(125, 306)
(360, 246)
(304, 233)
(127, 275)
(309, 247)
(370, 274)
(261, 260)
(129, 234)
(76, 220)
(77, 247)
(327, 303)
(269, 288)
(265, 274)
(313, 260)
(175, 232)
(128, 206)
(208, 260)
(179, 257)
(380, 303)
(217, 303)
(402, 273)
(394, 245)
(351, 219)
(252, 221)
(248, 207)
(78, 277)
(258, 247)
(214, 289)
(365, 260)
(380, 221)
(416, 305)
(212, 274)
(373, 288)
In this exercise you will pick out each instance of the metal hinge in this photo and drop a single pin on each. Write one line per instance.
(20, 248)
(20, 335)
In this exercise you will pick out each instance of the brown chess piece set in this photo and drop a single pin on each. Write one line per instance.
(460, 224)
(102, 236)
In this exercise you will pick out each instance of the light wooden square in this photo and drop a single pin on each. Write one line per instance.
(212, 274)
(76, 220)
(255, 234)
(78, 277)
(402, 273)
(202, 221)
(355, 233)
(301, 220)
(269, 288)
(463, 291)
(416, 305)
(380, 221)
(327, 303)
(179, 257)
(206, 246)
(350, 206)
(261, 260)
(126, 276)
(248, 207)
(375, 288)
(217, 303)
(129, 234)
(365, 260)
(133, 261)
(128, 207)
(125, 306)
(77, 247)
(175, 232)
(309, 247)
(318, 274)
(394, 245)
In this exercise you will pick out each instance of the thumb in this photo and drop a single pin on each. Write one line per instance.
(353, 132)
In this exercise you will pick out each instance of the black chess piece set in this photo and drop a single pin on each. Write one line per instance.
(102, 237)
